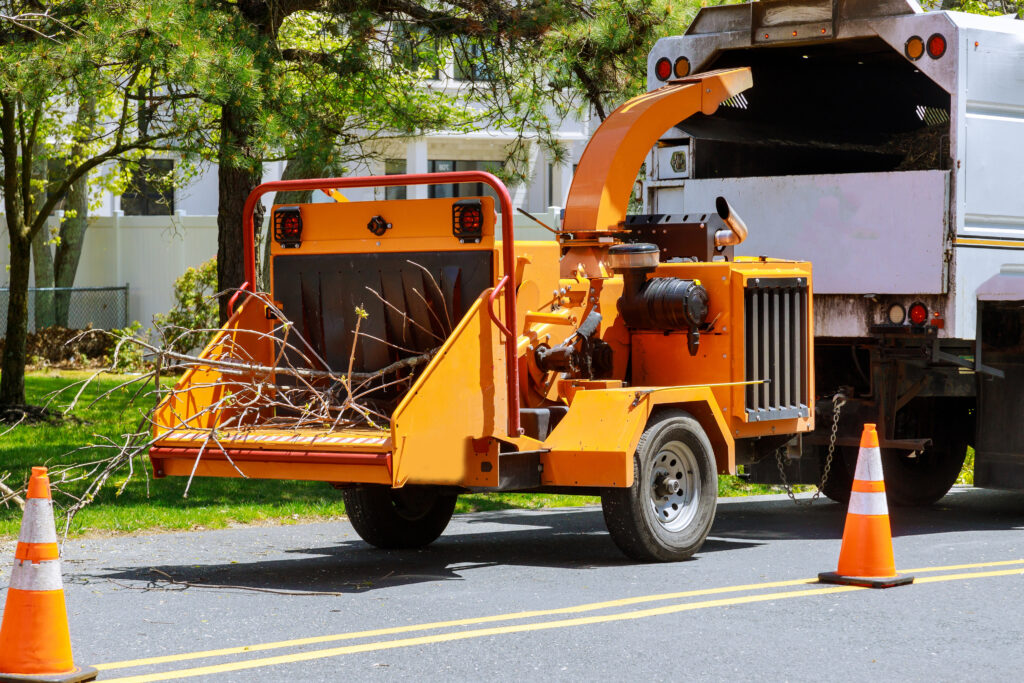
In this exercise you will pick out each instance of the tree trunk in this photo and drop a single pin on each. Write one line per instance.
(42, 260)
(12, 365)
(69, 251)
(238, 175)
(72, 229)
(12, 371)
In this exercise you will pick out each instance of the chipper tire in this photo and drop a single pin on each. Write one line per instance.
(395, 519)
(656, 520)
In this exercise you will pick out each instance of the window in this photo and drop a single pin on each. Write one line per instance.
(394, 167)
(464, 189)
(551, 186)
(414, 48)
(150, 192)
(471, 60)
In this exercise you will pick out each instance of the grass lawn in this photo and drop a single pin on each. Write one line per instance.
(148, 503)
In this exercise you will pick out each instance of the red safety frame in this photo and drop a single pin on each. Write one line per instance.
(508, 251)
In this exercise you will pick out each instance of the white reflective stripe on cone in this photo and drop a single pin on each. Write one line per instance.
(862, 503)
(869, 465)
(37, 524)
(41, 576)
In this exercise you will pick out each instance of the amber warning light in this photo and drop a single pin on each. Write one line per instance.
(914, 48)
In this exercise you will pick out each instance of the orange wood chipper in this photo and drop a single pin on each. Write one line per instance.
(634, 357)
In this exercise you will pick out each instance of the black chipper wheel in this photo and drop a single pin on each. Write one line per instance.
(411, 517)
(667, 513)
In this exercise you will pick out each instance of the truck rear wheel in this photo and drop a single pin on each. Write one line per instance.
(410, 517)
(667, 513)
(840, 474)
(914, 480)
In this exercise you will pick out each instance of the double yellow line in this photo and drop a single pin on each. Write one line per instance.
(522, 628)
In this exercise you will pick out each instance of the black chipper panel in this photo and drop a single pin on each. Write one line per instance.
(320, 293)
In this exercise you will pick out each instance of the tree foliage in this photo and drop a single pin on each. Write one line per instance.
(91, 83)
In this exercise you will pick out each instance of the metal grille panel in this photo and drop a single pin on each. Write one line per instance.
(776, 345)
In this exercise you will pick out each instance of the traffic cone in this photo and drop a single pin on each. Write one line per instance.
(35, 644)
(866, 556)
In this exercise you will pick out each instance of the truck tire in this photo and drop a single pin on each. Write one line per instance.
(923, 480)
(840, 474)
(410, 517)
(667, 513)
(920, 480)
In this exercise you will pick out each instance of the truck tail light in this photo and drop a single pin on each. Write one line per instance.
(682, 67)
(914, 48)
(897, 314)
(663, 69)
(468, 220)
(936, 45)
(288, 226)
(918, 313)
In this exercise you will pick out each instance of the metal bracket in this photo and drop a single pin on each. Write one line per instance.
(378, 226)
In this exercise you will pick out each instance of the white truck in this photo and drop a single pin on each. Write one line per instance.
(884, 144)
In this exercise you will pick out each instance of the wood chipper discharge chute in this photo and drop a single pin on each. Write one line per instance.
(633, 356)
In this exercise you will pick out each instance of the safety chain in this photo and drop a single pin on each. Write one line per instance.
(838, 401)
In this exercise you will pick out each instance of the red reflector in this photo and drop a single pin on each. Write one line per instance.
(468, 220)
(918, 313)
(663, 69)
(288, 226)
(936, 46)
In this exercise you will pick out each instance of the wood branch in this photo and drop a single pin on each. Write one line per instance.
(12, 495)
(255, 368)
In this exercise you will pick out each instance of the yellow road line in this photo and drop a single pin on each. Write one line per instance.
(950, 567)
(314, 640)
(523, 628)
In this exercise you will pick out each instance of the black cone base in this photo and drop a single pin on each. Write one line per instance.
(866, 581)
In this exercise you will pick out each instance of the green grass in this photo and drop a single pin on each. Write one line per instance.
(146, 503)
(150, 504)
(967, 471)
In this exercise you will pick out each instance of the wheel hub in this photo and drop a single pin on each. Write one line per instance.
(674, 486)
(665, 486)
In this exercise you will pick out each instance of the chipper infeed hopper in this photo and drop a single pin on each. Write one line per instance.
(631, 358)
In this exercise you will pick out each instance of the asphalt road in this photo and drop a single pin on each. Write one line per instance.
(520, 595)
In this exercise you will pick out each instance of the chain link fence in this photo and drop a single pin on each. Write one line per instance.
(104, 308)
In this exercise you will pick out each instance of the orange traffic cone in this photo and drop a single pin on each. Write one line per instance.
(866, 556)
(35, 644)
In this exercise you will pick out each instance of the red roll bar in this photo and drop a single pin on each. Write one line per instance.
(508, 254)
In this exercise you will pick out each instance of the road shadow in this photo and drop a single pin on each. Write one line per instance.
(781, 519)
(564, 539)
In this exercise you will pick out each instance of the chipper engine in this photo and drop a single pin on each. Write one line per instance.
(407, 353)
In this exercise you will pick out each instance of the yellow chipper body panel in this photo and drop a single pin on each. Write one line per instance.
(634, 357)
